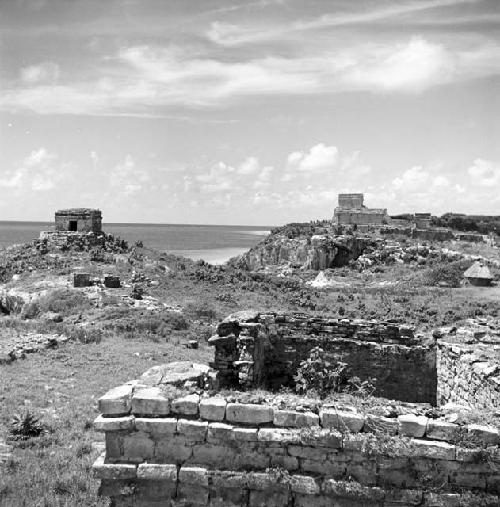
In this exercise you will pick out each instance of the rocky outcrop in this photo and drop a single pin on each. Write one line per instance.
(309, 251)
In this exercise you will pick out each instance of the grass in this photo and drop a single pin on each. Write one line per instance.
(61, 387)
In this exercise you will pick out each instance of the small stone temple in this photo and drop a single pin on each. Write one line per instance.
(352, 211)
(78, 220)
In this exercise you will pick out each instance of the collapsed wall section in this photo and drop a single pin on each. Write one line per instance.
(185, 446)
(265, 350)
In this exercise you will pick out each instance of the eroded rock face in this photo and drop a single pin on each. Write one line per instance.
(314, 252)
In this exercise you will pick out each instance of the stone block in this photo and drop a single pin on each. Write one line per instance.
(269, 499)
(245, 434)
(117, 401)
(81, 280)
(442, 430)
(411, 425)
(375, 423)
(404, 497)
(286, 462)
(196, 476)
(341, 420)
(150, 401)
(187, 405)
(173, 450)
(249, 413)
(360, 495)
(138, 447)
(304, 485)
(220, 432)
(194, 431)
(216, 456)
(112, 282)
(156, 472)
(278, 435)
(213, 409)
(109, 471)
(294, 419)
(311, 453)
(192, 496)
(442, 500)
(434, 449)
(484, 434)
(156, 426)
(114, 423)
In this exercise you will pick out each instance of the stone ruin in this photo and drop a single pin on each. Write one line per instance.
(78, 220)
(176, 437)
(352, 211)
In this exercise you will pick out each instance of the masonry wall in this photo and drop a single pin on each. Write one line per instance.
(467, 378)
(265, 350)
(90, 221)
(203, 450)
(360, 217)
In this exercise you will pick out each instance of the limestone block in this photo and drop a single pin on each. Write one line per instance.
(228, 479)
(187, 405)
(213, 409)
(442, 500)
(269, 499)
(245, 434)
(217, 456)
(312, 453)
(251, 461)
(220, 432)
(138, 447)
(278, 435)
(405, 497)
(114, 423)
(102, 470)
(192, 496)
(112, 282)
(341, 420)
(484, 434)
(193, 475)
(362, 495)
(304, 485)
(434, 449)
(442, 430)
(375, 423)
(114, 445)
(173, 450)
(148, 471)
(294, 419)
(411, 425)
(194, 431)
(287, 462)
(150, 401)
(117, 401)
(322, 437)
(81, 280)
(249, 413)
(156, 426)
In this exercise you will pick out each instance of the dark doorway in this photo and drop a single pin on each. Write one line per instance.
(73, 225)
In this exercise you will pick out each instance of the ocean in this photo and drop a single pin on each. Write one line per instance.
(212, 243)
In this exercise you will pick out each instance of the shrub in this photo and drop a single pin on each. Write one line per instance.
(200, 309)
(64, 301)
(317, 373)
(25, 426)
(85, 335)
(451, 273)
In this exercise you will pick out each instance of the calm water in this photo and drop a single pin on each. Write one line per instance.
(212, 243)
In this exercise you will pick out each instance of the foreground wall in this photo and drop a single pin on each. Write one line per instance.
(255, 350)
(170, 448)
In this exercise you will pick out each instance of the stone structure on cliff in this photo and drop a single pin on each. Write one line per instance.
(78, 220)
(352, 211)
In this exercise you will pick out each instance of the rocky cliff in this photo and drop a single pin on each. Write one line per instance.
(305, 247)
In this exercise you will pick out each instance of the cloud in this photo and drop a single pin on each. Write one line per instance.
(319, 158)
(484, 173)
(39, 171)
(127, 178)
(43, 72)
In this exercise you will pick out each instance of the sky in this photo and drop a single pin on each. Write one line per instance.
(248, 112)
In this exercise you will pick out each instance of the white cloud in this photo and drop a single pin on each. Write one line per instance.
(249, 166)
(127, 178)
(318, 159)
(39, 171)
(43, 72)
(484, 173)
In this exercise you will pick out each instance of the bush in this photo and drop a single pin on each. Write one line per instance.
(85, 334)
(63, 301)
(25, 426)
(319, 375)
(452, 273)
(199, 309)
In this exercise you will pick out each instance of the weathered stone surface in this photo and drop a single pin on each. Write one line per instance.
(442, 430)
(114, 423)
(138, 447)
(193, 475)
(157, 426)
(434, 449)
(150, 401)
(117, 401)
(294, 419)
(249, 413)
(194, 431)
(111, 471)
(484, 434)
(220, 432)
(341, 420)
(246, 434)
(187, 405)
(149, 471)
(213, 409)
(411, 425)
(176, 373)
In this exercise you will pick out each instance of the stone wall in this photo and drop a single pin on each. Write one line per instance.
(186, 446)
(265, 350)
(87, 220)
(363, 216)
(469, 366)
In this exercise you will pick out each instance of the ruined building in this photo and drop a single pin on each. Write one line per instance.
(78, 220)
(352, 211)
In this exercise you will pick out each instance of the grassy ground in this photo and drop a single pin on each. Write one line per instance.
(62, 386)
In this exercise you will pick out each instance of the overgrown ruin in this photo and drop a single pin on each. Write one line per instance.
(78, 220)
(178, 436)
